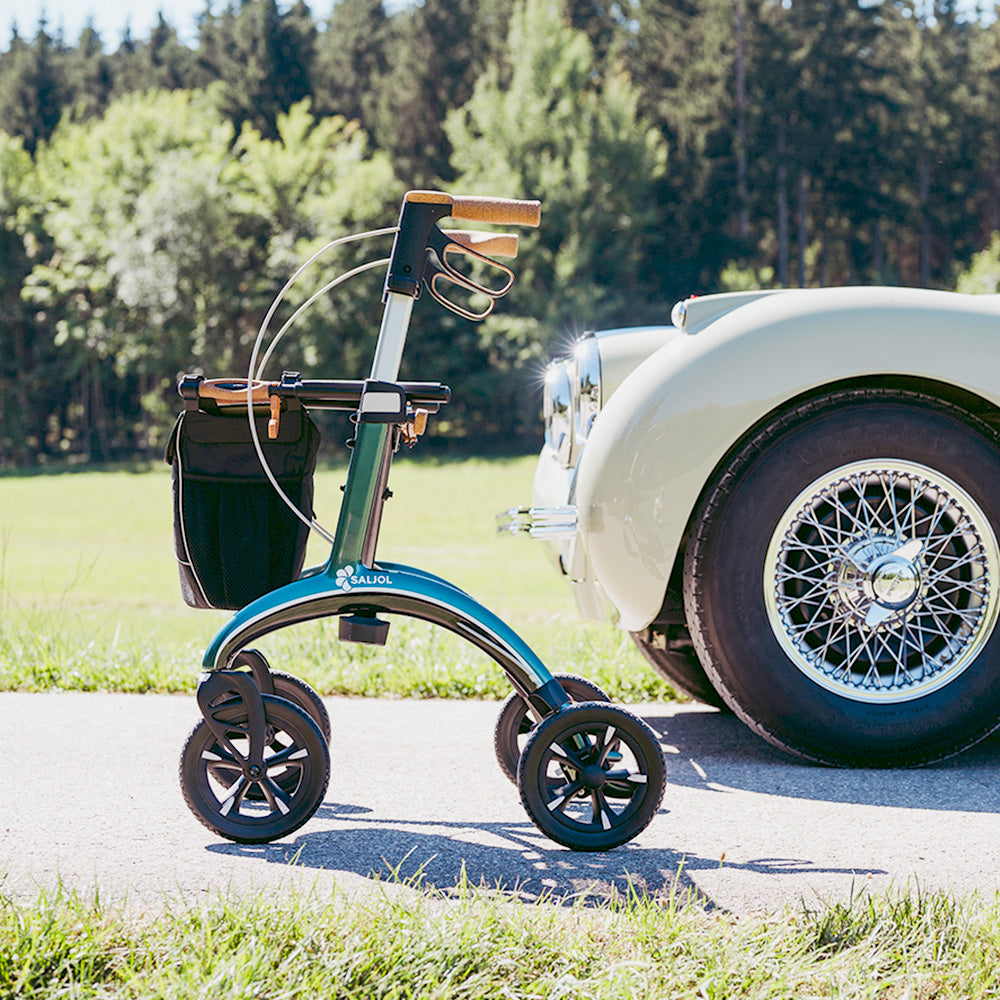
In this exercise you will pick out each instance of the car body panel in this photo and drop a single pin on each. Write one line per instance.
(692, 314)
(619, 350)
(669, 423)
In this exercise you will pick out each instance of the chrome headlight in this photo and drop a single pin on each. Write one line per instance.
(679, 314)
(587, 386)
(557, 407)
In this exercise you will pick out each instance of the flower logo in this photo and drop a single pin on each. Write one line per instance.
(344, 576)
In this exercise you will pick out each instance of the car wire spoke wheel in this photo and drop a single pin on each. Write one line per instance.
(591, 776)
(515, 721)
(249, 803)
(841, 574)
(881, 580)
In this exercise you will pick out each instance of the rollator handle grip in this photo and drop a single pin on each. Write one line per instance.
(485, 244)
(233, 391)
(474, 208)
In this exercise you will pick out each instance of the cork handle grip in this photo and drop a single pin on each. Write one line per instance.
(472, 208)
(488, 244)
(232, 391)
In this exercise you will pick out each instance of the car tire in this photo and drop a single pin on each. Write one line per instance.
(679, 667)
(841, 579)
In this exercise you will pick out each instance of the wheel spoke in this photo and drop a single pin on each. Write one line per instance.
(237, 793)
(626, 783)
(293, 755)
(562, 796)
(601, 813)
(570, 758)
(277, 799)
(606, 745)
(880, 580)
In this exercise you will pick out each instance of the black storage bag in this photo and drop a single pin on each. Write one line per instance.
(234, 537)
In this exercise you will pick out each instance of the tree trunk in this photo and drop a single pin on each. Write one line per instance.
(925, 223)
(878, 251)
(741, 125)
(782, 208)
(803, 224)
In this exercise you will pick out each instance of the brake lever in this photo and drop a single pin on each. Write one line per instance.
(435, 275)
(463, 243)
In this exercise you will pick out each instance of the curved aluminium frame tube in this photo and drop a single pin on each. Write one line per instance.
(391, 589)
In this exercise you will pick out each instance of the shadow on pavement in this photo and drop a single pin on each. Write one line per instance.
(714, 751)
(510, 858)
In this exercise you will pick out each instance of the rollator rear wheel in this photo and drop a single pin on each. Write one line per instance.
(591, 776)
(515, 723)
(251, 806)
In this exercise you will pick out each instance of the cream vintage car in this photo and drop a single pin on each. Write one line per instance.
(791, 500)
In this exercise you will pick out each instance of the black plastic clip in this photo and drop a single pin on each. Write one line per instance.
(187, 388)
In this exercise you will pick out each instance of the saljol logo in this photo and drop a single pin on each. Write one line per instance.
(349, 577)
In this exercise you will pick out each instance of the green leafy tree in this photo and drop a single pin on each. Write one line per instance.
(96, 177)
(982, 276)
(171, 236)
(561, 131)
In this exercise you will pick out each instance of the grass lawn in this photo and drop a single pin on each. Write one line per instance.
(477, 947)
(90, 599)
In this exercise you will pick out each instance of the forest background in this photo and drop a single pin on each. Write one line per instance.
(155, 195)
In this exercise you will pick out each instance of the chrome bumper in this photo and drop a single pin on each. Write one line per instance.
(547, 523)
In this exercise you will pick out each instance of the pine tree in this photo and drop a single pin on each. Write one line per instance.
(162, 62)
(88, 74)
(351, 59)
(436, 51)
(32, 88)
(684, 62)
(263, 58)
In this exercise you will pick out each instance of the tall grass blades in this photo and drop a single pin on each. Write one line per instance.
(474, 945)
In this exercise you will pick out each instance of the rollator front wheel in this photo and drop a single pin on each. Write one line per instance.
(247, 803)
(591, 776)
(515, 723)
(289, 687)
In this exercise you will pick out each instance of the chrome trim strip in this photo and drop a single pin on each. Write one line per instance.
(547, 523)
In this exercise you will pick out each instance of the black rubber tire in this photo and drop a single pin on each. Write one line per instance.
(299, 693)
(724, 572)
(682, 669)
(203, 757)
(291, 688)
(515, 723)
(543, 778)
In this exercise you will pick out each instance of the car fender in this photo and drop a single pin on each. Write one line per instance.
(664, 431)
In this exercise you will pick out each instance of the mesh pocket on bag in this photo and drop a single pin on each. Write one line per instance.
(234, 537)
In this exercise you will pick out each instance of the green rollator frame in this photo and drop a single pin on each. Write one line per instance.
(256, 768)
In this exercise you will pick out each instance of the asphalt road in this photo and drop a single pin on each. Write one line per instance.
(89, 797)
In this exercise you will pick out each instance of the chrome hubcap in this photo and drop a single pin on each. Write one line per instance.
(880, 581)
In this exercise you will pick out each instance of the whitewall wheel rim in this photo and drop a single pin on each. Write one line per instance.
(880, 581)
